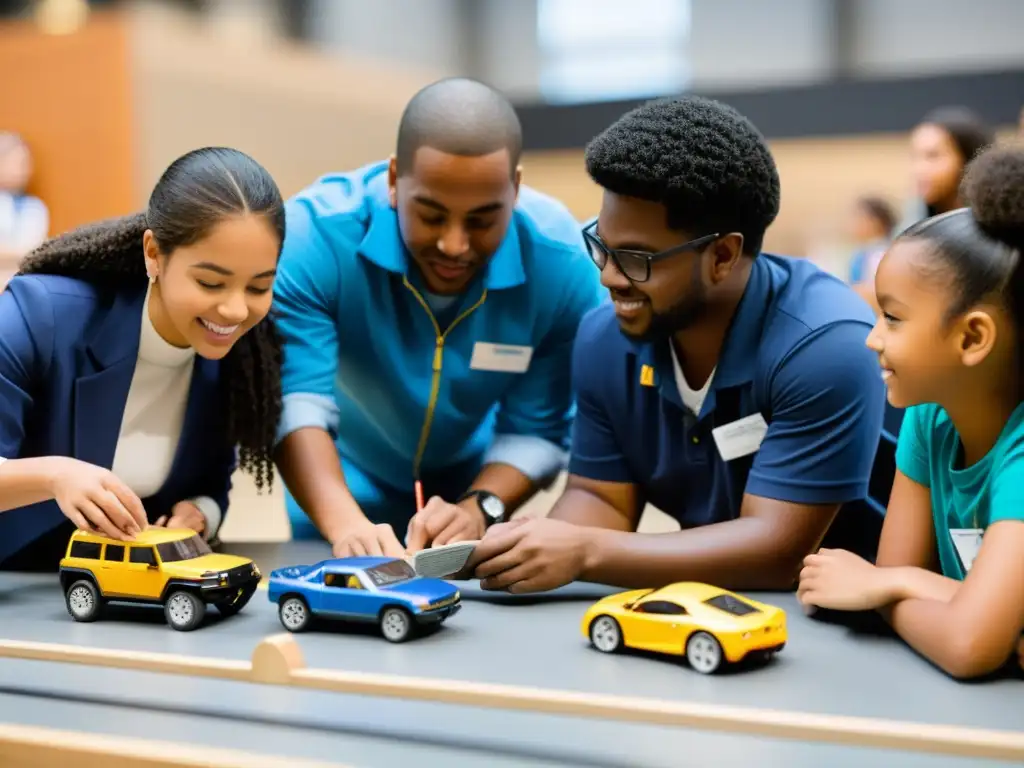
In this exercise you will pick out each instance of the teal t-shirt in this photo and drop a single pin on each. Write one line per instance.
(972, 497)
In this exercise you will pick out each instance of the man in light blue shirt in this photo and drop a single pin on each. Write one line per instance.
(429, 306)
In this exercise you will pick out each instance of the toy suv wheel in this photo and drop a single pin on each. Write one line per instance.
(395, 624)
(703, 652)
(233, 605)
(606, 634)
(294, 614)
(83, 600)
(184, 611)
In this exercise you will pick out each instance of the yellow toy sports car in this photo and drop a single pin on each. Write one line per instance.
(706, 624)
(172, 567)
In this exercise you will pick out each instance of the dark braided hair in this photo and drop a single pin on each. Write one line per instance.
(194, 194)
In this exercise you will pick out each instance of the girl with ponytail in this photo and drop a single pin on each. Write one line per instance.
(139, 364)
(949, 575)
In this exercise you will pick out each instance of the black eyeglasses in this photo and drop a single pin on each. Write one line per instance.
(635, 265)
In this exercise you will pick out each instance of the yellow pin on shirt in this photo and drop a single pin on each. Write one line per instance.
(647, 376)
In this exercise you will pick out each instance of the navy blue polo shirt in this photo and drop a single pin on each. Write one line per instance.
(795, 353)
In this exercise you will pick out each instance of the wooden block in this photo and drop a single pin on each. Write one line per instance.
(278, 661)
(23, 746)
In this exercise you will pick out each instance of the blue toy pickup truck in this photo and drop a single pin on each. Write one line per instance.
(381, 590)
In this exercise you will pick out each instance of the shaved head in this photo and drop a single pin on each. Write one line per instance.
(458, 116)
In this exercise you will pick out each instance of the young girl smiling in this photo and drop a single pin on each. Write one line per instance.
(949, 575)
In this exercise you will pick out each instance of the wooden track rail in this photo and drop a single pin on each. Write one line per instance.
(278, 660)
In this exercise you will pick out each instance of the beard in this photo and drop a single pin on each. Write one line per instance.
(684, 313)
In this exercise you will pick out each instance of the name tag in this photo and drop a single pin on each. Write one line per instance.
(740, 438)
(506, 358)
(967, 542)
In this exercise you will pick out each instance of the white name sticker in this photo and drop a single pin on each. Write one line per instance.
(740, 438)
(967, 542)
(506, 358)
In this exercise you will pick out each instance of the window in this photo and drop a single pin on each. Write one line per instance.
(732, 605)
(185, 549)
(663, 607)
(114, 552)
(86, 549)
(390, 573)
(594, 50)
(142, 555)
(342, 581)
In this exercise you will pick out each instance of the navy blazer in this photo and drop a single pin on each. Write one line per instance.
(68, 350)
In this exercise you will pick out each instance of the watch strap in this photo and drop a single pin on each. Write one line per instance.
(480, 495)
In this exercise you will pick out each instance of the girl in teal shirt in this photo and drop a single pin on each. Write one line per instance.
(949, 576)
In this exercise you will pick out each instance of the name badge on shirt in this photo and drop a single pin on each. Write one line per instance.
(967, 542)
(740, 438)
(506, 358)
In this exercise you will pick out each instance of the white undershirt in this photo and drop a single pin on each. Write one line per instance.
(153, 417)
(692, 398)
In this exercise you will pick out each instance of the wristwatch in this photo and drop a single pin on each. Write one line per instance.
(492, 507)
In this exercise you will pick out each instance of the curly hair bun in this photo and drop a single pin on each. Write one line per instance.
(993, 188)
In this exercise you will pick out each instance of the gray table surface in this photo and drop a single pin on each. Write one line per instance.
(518, 640)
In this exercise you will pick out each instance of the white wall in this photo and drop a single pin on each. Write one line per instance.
(901, 37)
(734, 43)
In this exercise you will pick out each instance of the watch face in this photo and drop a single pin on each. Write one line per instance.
(492, 507)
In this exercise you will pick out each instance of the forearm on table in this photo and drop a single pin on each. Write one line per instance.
(910, 583)
(931, 629)
(736, 554)
(309, 465)
(26, 481)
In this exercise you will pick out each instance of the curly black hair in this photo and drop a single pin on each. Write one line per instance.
(977, 250)
(196, 192)
(701, 159)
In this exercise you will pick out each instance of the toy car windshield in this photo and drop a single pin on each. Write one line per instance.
(184, 549)
(731, 604)
(393, 572)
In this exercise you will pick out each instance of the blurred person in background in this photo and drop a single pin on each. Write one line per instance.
(138, 366)
(869, 229)
(941, 145)
(429, 305)
(24, 219)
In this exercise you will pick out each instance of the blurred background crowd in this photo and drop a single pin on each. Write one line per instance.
(871, 106)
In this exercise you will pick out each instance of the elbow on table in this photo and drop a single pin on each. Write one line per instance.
(970, 654)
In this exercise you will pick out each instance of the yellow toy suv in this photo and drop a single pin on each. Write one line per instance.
(172, 567)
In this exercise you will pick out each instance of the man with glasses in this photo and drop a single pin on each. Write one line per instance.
(730, 388)
(429, 305)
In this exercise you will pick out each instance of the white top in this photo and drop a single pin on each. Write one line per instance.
(153, 417)
(692, 398)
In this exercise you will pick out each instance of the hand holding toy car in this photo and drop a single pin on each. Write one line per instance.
(95, 500)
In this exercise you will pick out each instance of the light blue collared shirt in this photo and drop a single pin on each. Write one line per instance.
(361, 348)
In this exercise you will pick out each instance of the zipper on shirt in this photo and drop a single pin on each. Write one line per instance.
(438, 363)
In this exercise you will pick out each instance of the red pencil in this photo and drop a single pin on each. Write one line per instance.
(419, 497)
